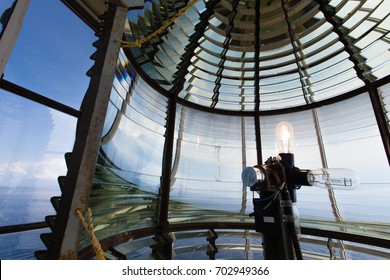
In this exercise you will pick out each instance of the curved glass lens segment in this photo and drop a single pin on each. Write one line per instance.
(127, 178)
(305, 50)
(206, 58)
(209, 153)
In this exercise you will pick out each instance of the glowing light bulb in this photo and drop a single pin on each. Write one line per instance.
(285, 137)
(336, 178)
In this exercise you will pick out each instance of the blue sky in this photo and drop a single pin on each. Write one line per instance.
(41, 60)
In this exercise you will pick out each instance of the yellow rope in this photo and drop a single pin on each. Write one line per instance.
(140, 42)
(91, 231)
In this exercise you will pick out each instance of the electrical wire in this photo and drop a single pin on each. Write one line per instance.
(274, 196)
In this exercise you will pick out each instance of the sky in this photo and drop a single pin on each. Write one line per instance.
(41, 59)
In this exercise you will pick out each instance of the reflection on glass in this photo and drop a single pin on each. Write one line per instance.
(206, 184)
(127, 177)
(31, 162)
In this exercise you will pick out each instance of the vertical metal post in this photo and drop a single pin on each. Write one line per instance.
(163, 248)
(244, 164)
(225, 49)
(274, 216)
(380, 117)
(257, 83)
(11, 31)
(273, 246)
(66, 232)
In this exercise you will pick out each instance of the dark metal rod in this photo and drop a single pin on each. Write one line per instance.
(294, 40)
(331, 17)
(380, 117)
(257, 84)
(226, 45)
(22, 227)
(21, 91)
(194, 42)
(167, 167)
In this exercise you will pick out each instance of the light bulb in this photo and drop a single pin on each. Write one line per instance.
(336, 178)
(285, 137)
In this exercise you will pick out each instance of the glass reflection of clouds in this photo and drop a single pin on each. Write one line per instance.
(133, 140)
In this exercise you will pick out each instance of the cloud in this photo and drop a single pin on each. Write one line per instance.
(43, 172)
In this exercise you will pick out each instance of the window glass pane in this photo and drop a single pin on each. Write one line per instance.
(52, 70)
(34, 140)
(21, 245)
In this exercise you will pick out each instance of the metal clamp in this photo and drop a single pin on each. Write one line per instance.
(288, 218)
(286, 203)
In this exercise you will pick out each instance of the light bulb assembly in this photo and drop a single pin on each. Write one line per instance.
(276, 182)
(271, 176)
(275, 211)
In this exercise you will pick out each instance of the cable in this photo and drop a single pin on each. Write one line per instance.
(274, 196)
(295, 241)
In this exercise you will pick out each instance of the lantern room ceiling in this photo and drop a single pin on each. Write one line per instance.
(255, 55)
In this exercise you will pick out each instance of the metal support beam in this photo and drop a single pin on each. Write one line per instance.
(179, 80)
(163, 249)
(22, 227)
(212, 248)
(66, 232)
(294, 40)
(380, 117)
(225, 49)
(26, 93)
(361, 68)
(257, 84)
(10, 31)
